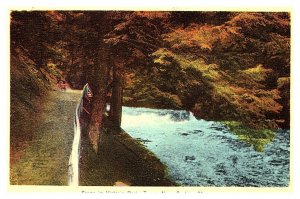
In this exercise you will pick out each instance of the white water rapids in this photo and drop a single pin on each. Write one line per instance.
(205, 153)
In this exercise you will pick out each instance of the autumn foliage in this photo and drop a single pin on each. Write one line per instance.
(228, 71)
(225, 66)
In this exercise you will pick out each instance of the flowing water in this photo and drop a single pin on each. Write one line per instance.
(205, 153)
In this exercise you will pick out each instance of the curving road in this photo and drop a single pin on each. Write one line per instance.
(121, 160)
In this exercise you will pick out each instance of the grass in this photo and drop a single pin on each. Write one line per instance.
(258, 138)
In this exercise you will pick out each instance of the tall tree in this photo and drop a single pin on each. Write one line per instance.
(135, 36)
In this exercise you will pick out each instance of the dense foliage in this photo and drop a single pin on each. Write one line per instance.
(226, 66)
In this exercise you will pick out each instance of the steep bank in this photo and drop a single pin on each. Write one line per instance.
(122, 160)
(29, 88)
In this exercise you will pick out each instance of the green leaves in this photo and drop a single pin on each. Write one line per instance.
(257, 138)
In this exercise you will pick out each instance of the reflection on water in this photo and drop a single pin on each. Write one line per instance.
(205, 153)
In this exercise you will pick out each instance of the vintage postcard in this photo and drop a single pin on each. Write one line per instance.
(109, 100)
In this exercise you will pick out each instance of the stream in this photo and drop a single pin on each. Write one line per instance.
(205, 153)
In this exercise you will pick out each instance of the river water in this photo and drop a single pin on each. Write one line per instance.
(205, 153)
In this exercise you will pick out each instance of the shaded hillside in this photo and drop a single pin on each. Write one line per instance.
(32, 73)
(28, 88)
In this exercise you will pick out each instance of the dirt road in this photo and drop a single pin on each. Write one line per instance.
(45, 159)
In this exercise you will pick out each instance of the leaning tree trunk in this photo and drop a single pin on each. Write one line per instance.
(98, 83)
(116, 98)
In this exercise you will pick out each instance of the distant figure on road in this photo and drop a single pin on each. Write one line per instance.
(62, 84)
(86, 108)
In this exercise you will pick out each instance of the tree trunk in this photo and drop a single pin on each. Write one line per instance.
(98, 85)
(116, 98)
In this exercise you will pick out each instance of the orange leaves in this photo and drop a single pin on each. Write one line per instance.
(153, 15)
(223, 68)
(56, 15)
(250, 19)
(203, 37)
(251, 102)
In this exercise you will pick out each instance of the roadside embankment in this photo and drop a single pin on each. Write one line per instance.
(121, 160)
